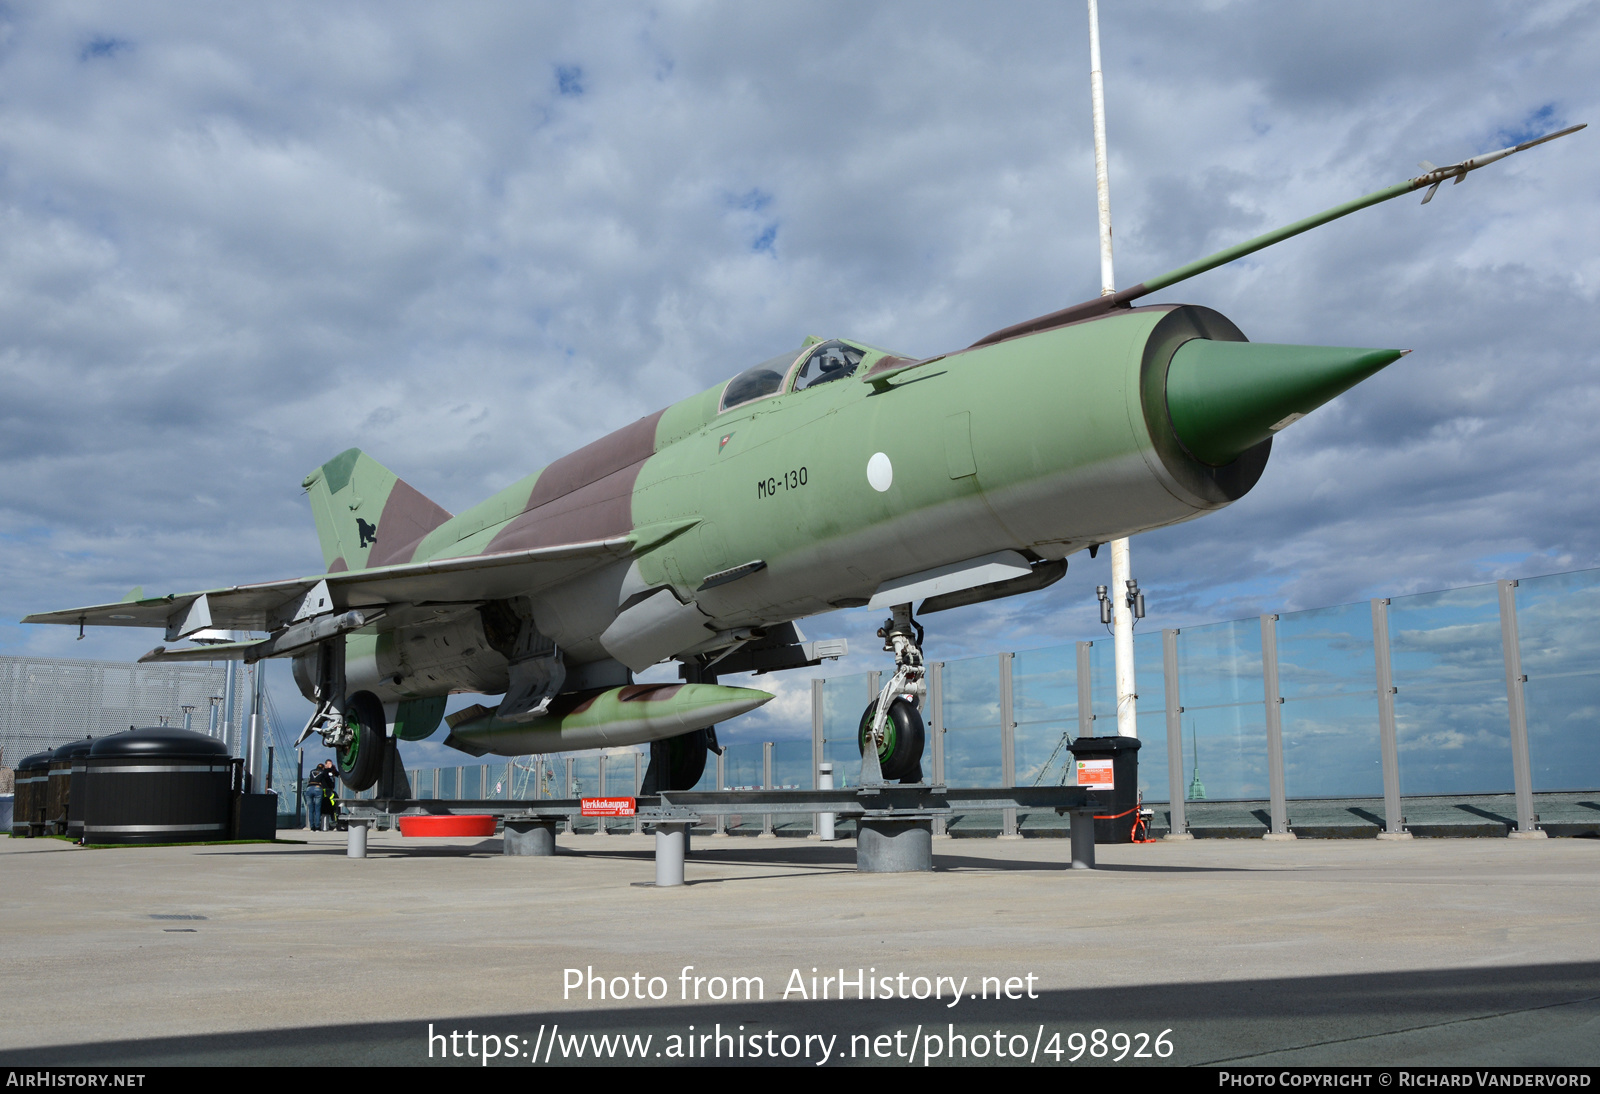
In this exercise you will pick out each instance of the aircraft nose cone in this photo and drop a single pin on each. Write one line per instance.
(1227, 397)
(725, 702)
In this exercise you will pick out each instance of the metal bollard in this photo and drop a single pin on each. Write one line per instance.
(670, 841)
(537, 838)
(357, 847)
(897, 846)
(1083, 839)
(825, 821)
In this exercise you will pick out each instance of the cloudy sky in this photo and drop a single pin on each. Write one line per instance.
(469, 238)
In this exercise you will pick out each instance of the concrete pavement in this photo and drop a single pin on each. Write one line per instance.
(1472, 951)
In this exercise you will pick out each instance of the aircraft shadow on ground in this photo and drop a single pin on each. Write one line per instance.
(1208, 1022)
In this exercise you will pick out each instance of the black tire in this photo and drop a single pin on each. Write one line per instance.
(900, 757)
(361, 761)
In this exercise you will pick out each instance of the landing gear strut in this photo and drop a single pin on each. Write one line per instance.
(892, 734)
(354, 726)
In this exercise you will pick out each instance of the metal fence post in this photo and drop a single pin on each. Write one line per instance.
(766, 783)
(1179, 828)
(1393, 818)
(602, 828)
(1085, 692)
(817, 711)
(719, 823)
(936, 727)
(1278, 804)
(566, 792)
(1517, 711)
(638, 778)
(1008, 738)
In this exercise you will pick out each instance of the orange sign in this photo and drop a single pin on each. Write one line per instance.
(608, 807)
(1096, 774)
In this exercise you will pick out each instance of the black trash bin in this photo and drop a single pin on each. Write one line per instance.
(1114, 822)
(64, 804)
(158, 785)
(32, 792)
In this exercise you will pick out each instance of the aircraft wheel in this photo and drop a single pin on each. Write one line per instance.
(361, 761)
(900, 756)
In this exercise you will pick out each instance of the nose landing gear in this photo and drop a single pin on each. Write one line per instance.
(892, 734)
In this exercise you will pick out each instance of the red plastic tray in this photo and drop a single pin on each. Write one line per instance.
(447, 826)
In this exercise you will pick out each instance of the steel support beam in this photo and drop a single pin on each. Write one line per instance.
(817, 712)
(1175, 787)
(825, 821)
(1008, 743)
(889, 801)
(1517, 711)
(936, 729)
(719, 824)
(766, 784)
(1278, 804)
(1085, 692)
(1388, 743)
(566, 791)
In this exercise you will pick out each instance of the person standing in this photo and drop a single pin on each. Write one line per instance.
(318, 786)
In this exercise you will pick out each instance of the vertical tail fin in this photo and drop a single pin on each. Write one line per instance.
(365, 515)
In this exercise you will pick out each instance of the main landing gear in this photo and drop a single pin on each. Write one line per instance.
(892, 734)
(353, 726)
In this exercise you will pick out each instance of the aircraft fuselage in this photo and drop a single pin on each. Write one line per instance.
(1043, 444)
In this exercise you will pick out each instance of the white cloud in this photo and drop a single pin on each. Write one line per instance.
(233, 243)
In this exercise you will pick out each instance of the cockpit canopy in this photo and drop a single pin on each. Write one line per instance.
(756, 382)
(822, 363)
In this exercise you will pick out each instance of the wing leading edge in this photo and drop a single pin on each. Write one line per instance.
(269, 605)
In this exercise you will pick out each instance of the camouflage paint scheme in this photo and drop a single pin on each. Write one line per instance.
(697, 528)
(1042, 444)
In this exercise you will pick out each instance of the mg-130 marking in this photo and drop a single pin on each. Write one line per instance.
(789, 480)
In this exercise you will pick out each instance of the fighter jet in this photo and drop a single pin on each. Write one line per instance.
(834, 475)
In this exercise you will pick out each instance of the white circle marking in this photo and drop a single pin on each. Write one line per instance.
(880, 472)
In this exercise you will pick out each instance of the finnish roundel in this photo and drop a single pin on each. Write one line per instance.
(880, 472)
